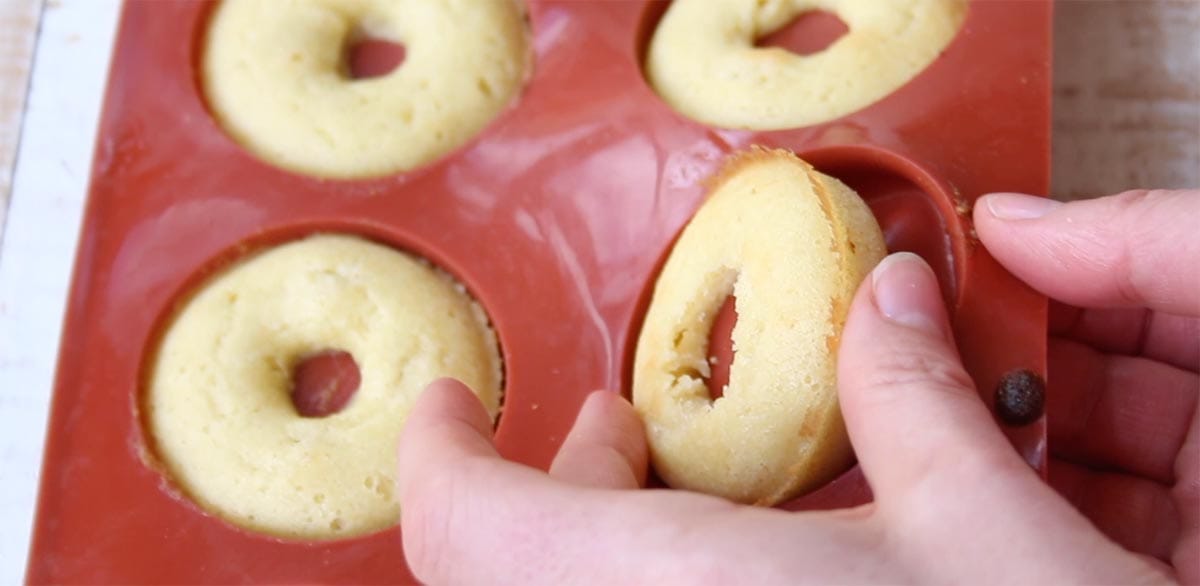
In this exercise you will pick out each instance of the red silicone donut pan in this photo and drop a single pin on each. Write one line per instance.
(556, 217)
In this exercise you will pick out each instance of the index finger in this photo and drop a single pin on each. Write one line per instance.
(1135, 249)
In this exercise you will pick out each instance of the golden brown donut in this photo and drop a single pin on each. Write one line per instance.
(218, 403)
(274, 76)
(792, 244)
(703, 62)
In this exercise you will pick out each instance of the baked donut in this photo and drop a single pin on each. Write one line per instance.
(703, 62)
(792, 245)
(276, 79)
(217, 402)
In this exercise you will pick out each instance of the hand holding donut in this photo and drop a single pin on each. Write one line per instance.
(954, 503)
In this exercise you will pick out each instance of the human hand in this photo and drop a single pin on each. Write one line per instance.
(953, 501)
(1122, 399)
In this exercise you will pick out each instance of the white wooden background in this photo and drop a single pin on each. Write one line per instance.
(38, 249)
(1127, 114)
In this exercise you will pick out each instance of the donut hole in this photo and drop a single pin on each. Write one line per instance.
(721, 352)
(370, 57)
(324, 383)
(810, 32)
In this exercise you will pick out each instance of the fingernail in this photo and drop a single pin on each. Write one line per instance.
(1017, 206)
(906, 292)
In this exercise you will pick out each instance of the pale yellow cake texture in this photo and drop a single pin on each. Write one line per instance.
(275, 76)
(218, 403)
(703, 62)
(792, 245)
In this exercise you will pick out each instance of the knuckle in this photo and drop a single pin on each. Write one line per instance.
(922, 368)
(1136, 204)
(1127, 201)
(1186, 492)
(1136, 229)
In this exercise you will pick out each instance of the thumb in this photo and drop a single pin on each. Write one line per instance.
(943, 475)
(914, 418)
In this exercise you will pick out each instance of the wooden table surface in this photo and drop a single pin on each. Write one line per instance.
(1126, 96)
(1126, 115)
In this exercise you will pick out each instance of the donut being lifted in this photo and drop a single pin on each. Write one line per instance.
(792, 245)
(703, 62)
